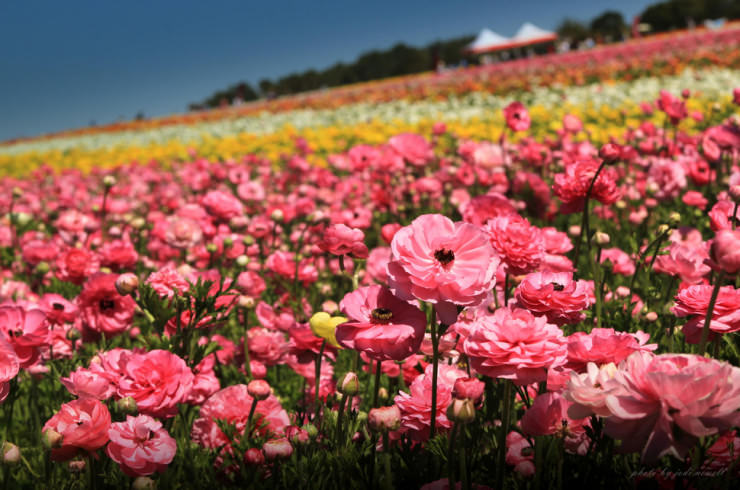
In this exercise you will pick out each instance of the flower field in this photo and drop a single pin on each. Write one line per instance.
(504, 277)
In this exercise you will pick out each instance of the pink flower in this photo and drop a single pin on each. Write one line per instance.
(441, 262)
(267, 346)
(674, 107)
(694, 300)
(413, 148)
(514, 344)
(376, 267)
(588, 391)
(549, 415)
(222, 205)
(251, 284)
(9, 367)
(205, 382)
(86, 383)
(118, 254)
(182, 232)
(167, 282)
(140, 446)
(277, 449)
(158, 380)
(102, 309)
(572, 124)
(517, 117)
(519, 244)
(523, 462)
(340, 239)
(76, 264)
(621, 262)
(416, 406)
(684, 261)
(572, 186)
(726, 251)
(58, 309)
(83, 425)
(671, 400)
(556, 295)
(26, 331)
(381, 325)
(480, 209)
(604, 345)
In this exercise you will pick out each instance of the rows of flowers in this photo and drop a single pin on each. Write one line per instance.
(427, 311)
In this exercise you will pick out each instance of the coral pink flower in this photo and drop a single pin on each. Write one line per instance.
(726, 251)
(267, 346)
(222, 205)
(182, 232)
(251, 284)
(83, 424)
(118, 254)
(158, 380)
(26, 331)
(572, 186)
(684, 261)
(167, 282)
(58, 309)
(674, 107)
(721, 215)
(671, 400)
(480, 209)
(604, 345)
(441, 262)
(232, 405)
(9, 367)
(549, 415)
(517, 117)
(140, 446)
(205, 382)
(588, 391)
(376, 268)
(101, 308)
(572, 123)
(519, 244)
(514, 344)
(76, 264)
(556, 295)
(621, 262)
(416, 406)
(413, 148)
(86, 383)
(340, 239)
(381, 325)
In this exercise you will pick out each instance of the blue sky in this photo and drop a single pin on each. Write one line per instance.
(64, 64)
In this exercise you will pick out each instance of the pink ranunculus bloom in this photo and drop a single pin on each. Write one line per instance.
(684, 261)
(523, 462)
(441, 262)
(118, 254)
(725, 251)
(548, 415)
(232, 405)
(514, 344)
(58, 309)
(572, 123)
(604, 345)
(517, 116)
(205, 382)
(266, 345)
(413, 148)
(693, 302)
(86, 383)
(25, 330)
(102, 309)
(340, 239)
(251, 284)
(674, 107)
(158, 380)
(480, 209)
(588, 391)
(556, 295)
(669, 401)
(140, 446)
(376, 268)
(380, 324)
(167, 282)
(9, 367)
(721, 215)
(416, 406)
(621, 262)
(572, 186)
(76, 264)
(519, 244)
(181, 232)
(83, 424)
(222, 205)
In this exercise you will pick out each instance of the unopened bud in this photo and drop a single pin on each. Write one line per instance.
(277, 215)
(73, 334)
(143, 483)
(574, 230)
(109, 181)
(127, 283)
(349, 384)
(254, 457)
(77, 465)
(651, 316)
(242, 261)
(138, 223)
(735, 193)
(127, 405)
(461, 410)
(248, 240)
(674, 219)
(384, 419)
(17, 192)
(382, 393)
(11, 453)
(211, 248)
(601, 238)
(51, 439)
(311, 430)
(620, 204)
(610, 152)
(247, 302)
(259, 389)
(42, 267)
(663, 229)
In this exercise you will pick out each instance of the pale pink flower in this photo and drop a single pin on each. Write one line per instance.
(140, 446)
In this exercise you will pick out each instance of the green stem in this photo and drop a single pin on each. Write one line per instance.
(318, 378)
(463, 461)
(376, 387)
(451, 457)
(247, 363)
(710, 311)
(596, 273)
(388, 483)
(506, 289)
(435, 368)
(506, 414)
(584, 217)
(340, 415)
(248, 429)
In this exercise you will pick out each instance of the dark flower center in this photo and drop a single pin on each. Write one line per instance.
(557, 287)
(107, 304)
(381, 314)
(58, 306)
(444, 256)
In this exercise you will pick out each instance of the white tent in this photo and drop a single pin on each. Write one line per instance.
(529, 32)
(486, 40)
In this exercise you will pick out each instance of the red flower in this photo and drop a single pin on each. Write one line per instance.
(83, 425)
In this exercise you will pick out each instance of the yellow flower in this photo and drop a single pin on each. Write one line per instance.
(324, 325)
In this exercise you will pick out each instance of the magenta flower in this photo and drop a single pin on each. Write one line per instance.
(517, 117)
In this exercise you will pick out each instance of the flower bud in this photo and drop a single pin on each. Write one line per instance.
(296, 435)
(211, 248)
(461, 411)
(384, 419)
(277, 215)
(109, 181)
(601, 238)
(349, 384)
(247, 302)
(17, 192)
(228, 241)
(77, 465)
(127, 405)
(663, 229)
(382, 393)
(259, 389)
(73, 334)
(127, 283)
(138, 223)
(248, 240)
(735, 193)
(11, 453)
(254, 457)
(51, 439)
(651, 316)
(470, 388)
(242, 261)
(277, 449)
(574, 230)
(311, 430)
(143, 483)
